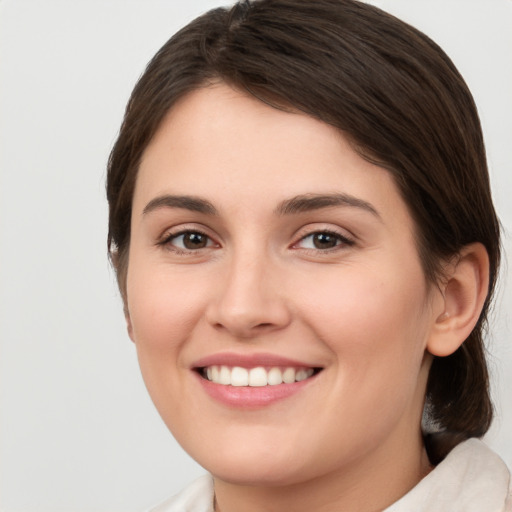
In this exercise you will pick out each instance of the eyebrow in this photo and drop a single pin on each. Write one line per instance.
(195, 204)
(310, 202)
(298, 204)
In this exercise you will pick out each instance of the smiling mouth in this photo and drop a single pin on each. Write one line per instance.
(255, 377)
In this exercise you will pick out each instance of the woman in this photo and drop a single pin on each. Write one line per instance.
(306, 246)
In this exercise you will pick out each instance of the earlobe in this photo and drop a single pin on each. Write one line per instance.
(464, 292)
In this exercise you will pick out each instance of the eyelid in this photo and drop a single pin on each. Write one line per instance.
(172, 233)
(346, 239)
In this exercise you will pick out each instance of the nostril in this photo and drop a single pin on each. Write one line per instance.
(245, 328)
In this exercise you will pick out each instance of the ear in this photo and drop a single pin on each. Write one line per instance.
(120, 266)
(128, 319)
(463, 293)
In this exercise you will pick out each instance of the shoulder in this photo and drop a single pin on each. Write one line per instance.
(472, 478)
(196, 497)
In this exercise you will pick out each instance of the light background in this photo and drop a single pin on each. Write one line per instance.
(78, 431)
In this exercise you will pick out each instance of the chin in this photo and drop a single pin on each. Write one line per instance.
(271, 463)
(258, 472)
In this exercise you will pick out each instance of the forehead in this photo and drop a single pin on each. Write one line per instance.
(227, 124)
(225, 145)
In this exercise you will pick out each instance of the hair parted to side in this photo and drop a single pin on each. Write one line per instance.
(396, 96)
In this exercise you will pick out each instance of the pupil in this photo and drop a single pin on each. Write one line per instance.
(194, 241)
(324, 241)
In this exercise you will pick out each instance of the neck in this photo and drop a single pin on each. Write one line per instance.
(367, 485)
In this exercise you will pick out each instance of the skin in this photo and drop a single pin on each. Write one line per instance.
(361, 310)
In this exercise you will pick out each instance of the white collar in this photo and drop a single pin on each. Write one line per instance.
(472, 478)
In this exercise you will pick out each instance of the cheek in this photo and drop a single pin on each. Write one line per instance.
(163, 306)
(376, 324)
(367, 302)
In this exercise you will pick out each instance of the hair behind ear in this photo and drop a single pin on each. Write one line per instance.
(458, 398)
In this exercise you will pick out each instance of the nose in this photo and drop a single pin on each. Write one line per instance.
(250, 300)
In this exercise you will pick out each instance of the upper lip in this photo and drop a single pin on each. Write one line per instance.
(250, 361)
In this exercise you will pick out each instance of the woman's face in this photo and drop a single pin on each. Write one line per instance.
(264, 249)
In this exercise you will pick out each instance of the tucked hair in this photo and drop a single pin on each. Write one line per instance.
(393, 93)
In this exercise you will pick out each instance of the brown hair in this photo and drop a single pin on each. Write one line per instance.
(398, 98)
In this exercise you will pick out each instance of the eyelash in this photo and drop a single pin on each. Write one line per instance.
(341, 241)
(167, 241)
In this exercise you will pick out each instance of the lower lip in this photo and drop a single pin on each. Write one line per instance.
(248, 397)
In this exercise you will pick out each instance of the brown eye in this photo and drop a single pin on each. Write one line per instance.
(194, 240)
(325, 240)
(189, 241)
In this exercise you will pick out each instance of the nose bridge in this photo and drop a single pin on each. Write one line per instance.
(249, 300)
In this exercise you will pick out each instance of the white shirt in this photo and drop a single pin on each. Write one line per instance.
(472, 478)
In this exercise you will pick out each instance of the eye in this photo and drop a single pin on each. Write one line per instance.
(323, 240)
(188, 241)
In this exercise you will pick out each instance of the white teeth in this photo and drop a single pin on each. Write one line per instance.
(274, 377)
(225, 375)
(302, 375)
(258, 377)
(255, 377)
(289, 375)
(239, 376)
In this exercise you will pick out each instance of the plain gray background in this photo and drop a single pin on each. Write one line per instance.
(78, 431)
